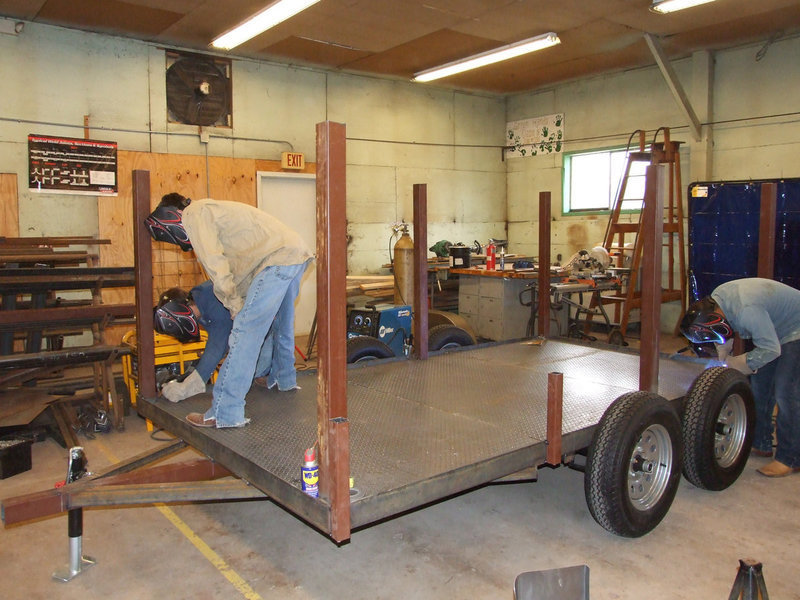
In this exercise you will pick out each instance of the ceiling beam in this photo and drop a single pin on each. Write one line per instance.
(674, 84)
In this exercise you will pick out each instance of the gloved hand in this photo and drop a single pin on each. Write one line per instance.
(739, 363)
(724, 350)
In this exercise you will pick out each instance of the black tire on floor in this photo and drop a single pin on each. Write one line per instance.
(366, 347)
(443, 337)
(718, 424)
(634, 464)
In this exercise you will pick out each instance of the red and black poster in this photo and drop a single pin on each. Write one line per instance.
(71, 165)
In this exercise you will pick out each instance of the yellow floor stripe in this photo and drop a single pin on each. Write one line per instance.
(225, 570)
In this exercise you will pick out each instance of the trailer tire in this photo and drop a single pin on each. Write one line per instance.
(444, 337)
(366, 347)
(718, 424)
(634, 464)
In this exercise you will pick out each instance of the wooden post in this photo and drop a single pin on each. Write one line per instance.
(652, 229)
(766, 230)
(421, 270)
(333, 427)
(555, 404)
(143, 266)
(543, 315)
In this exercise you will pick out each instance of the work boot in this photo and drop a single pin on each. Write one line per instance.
(175, 391)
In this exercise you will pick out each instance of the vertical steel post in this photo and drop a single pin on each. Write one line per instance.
(143, 267)
(555, 407)
(766, 230)
(652, 230)
(421, 270)
(543, 315)
(333, 427)
(77, 562)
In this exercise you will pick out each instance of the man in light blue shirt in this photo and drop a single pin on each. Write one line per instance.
(767, 313)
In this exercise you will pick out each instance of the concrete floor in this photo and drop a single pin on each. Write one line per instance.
(470, 546)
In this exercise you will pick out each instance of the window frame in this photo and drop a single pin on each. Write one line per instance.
(566, 205)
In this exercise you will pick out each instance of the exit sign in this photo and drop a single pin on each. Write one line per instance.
(293, 160)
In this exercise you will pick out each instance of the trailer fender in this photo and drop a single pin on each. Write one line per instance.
(634, 463)
(718, 423)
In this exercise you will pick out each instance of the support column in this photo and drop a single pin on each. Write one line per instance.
(652, 230)
(421, 270)
(143, 266)
(766, 230)
(543, 314)
(333, 428)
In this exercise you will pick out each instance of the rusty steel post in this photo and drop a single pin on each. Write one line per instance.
(421, 270)
(652, 230)
(333, 427)
(143, 266)
(555, 407)
(766, 230)
(543, 314)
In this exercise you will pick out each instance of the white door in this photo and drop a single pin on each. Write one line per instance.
(292, 198)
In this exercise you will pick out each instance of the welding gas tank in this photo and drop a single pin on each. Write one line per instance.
(403, 253)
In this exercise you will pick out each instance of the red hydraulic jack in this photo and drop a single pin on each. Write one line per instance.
(749, 584)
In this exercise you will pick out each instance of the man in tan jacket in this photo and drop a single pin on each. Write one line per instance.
(255, 263)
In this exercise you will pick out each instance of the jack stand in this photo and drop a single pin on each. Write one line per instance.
(749, 583)
(77, 562)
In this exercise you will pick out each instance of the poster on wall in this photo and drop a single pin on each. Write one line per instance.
(60, 165)
(535, 136)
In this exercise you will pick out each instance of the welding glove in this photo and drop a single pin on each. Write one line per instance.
(739, 362)
(175, 390)
(724, 350)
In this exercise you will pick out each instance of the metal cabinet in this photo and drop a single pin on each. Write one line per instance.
(491, 306)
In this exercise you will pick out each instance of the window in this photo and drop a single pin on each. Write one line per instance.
(592, 181)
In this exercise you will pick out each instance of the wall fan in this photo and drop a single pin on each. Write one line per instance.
(198, 92)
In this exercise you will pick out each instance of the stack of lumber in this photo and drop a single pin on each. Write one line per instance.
(375, 286)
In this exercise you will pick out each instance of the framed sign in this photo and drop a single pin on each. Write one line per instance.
(539, 135)
(60, 165)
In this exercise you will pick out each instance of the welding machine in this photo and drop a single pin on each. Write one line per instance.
(389, 323)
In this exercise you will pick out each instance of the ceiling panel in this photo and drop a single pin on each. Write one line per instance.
(396, 38)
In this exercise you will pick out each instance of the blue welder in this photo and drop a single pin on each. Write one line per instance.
(389, 323)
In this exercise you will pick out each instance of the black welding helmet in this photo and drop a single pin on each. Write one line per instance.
(174, 317)
(165, 223)
(703, 325)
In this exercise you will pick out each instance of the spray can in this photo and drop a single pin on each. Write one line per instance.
(309, 473)
(491, 256)
(502, 259)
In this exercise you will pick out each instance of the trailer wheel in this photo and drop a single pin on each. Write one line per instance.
(718, 422)
(444, 337)
(634, 464)
(366, 347)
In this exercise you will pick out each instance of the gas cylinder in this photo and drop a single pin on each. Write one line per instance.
(403, 253)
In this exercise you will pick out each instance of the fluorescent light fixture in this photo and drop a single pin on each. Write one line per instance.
(668, 6)
(490, 57)
(275, 13)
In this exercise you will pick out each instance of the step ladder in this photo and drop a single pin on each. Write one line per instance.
(619, 233)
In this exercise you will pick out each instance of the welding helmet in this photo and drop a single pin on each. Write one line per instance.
(165, 223)
(702, 324)
(174, 317)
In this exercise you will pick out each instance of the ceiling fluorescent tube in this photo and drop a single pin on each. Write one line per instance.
(487, 58)
(668, 6)
(275, 13)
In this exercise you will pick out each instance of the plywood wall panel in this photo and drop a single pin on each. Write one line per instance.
(9, 205)
(232, 179)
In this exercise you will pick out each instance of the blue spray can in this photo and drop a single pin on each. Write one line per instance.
(309, 473)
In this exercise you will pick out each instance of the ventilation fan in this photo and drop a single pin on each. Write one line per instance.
(198, 92)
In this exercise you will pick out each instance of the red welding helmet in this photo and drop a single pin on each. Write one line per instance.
(702, 323)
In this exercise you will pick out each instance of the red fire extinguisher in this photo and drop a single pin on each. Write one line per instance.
(491, 256)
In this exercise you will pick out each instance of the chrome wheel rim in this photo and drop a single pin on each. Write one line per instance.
(650, 467)
(730, 431)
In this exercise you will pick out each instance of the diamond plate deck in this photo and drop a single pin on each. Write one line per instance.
(423, 430)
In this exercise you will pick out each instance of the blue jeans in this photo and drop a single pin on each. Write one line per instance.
(216, 320)
(264, 301)
(778, 383)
